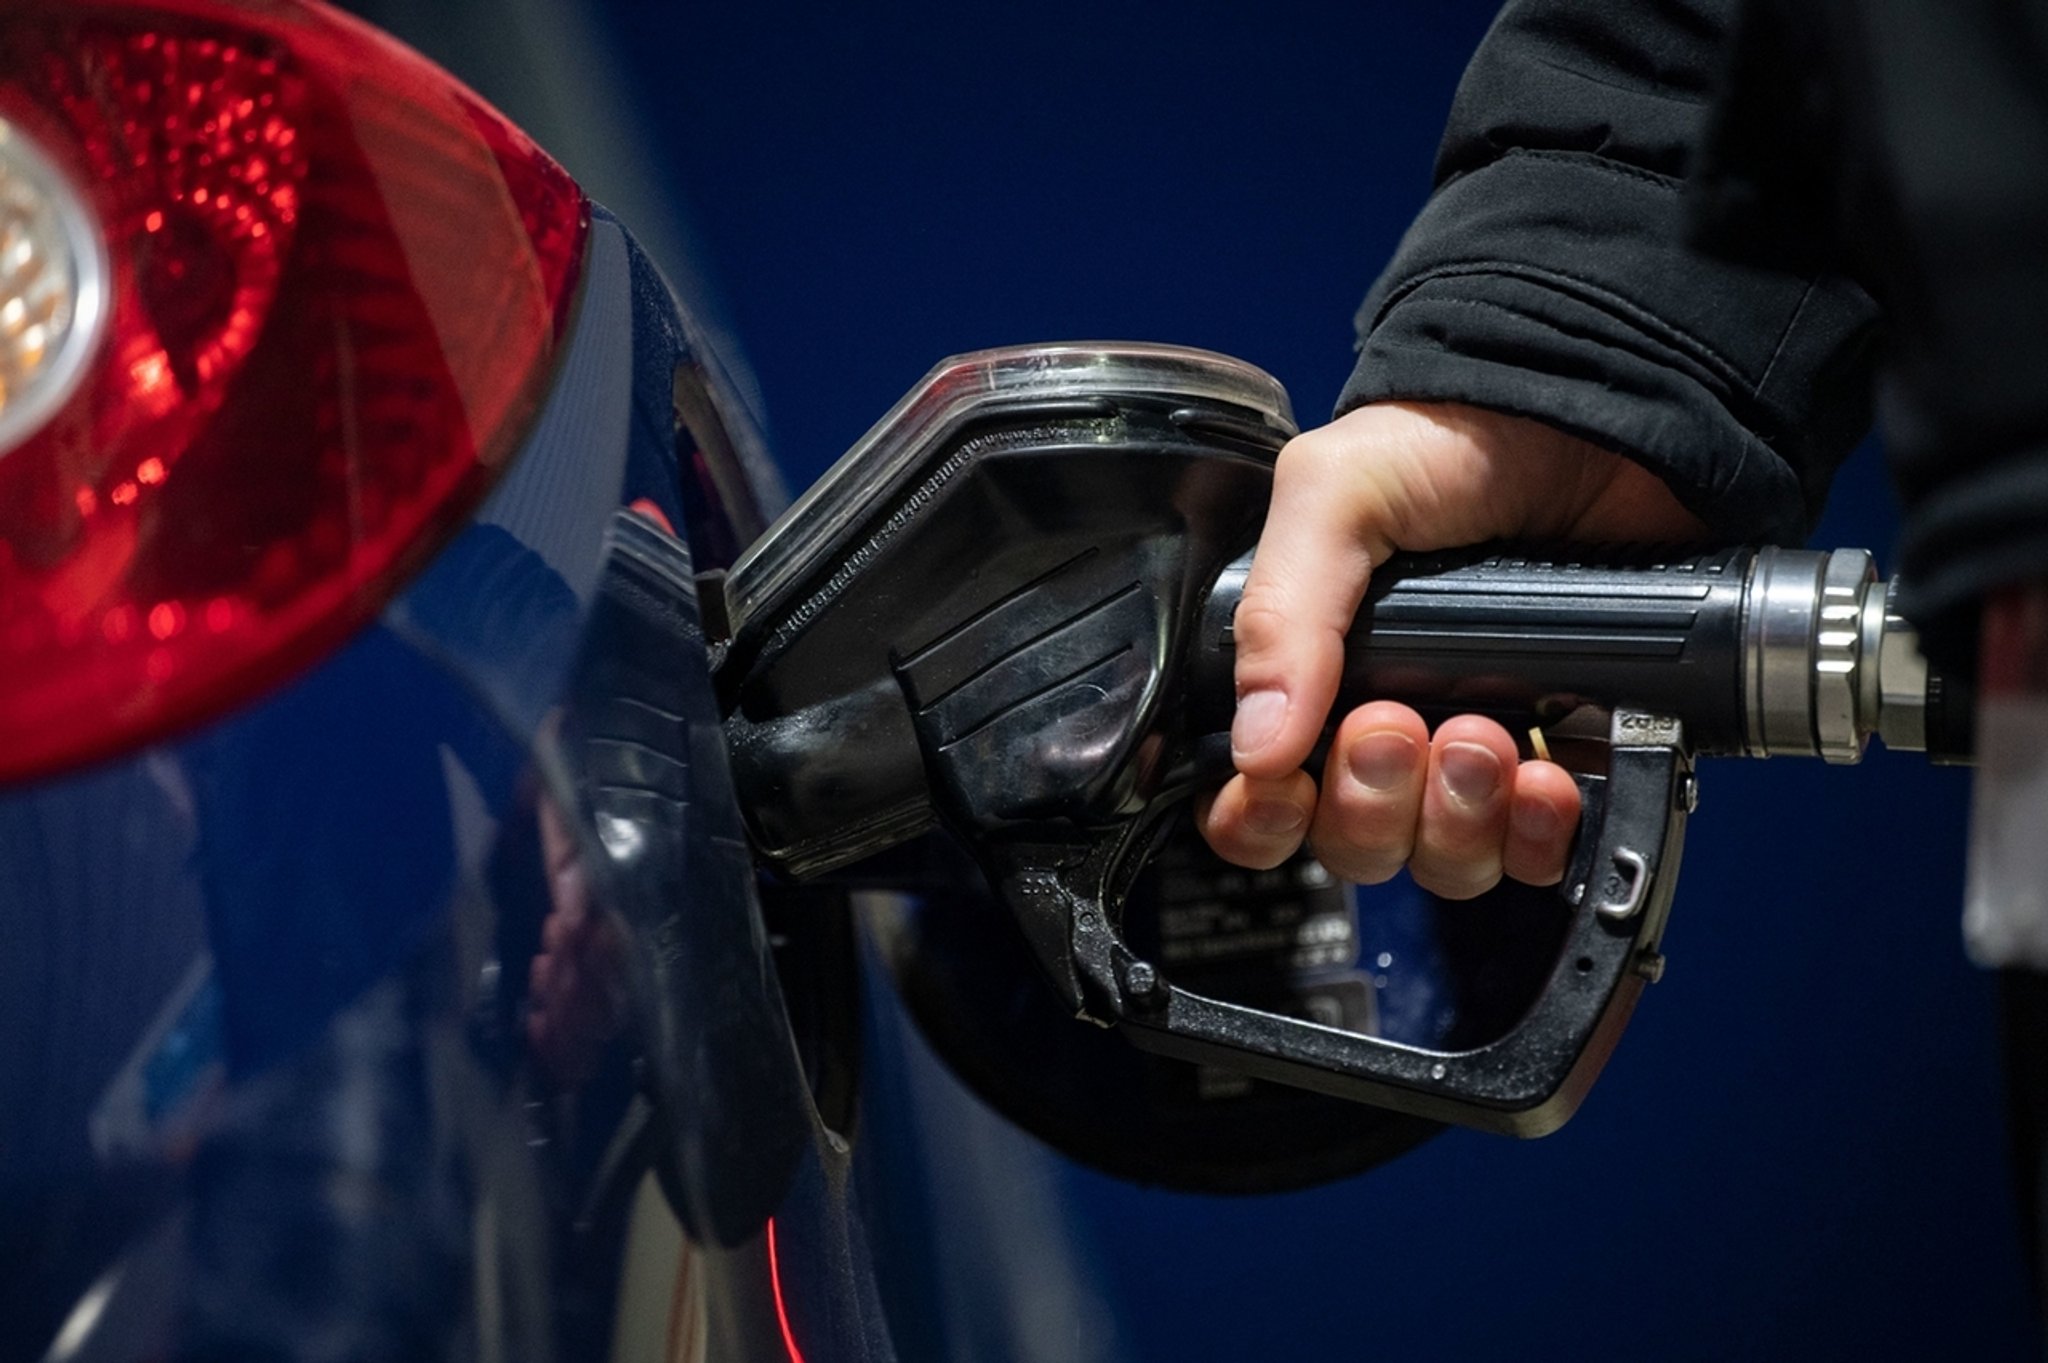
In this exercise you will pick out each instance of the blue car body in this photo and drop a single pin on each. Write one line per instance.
(279, 1081)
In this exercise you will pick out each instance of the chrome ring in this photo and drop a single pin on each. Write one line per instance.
(1837, 655)
(1780, 614)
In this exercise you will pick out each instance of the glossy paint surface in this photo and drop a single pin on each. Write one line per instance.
(425, 1008)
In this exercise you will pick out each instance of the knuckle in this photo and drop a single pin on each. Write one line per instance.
(1475, 836)
(1266, 856)
(1357, 866)
(1534, 863)
(1537, 873)
(1258, 825)
(1454, 880)
(1385, 831)
(1361, 839)
(1264, 625)
(1378, 826)
(1309, 454)
(1231, 848)
(1223, 838)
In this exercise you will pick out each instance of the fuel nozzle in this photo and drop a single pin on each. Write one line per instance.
(1009, 611)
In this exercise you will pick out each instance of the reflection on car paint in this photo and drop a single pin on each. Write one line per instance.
(426, 1009)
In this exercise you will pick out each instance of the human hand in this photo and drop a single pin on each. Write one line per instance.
(1459, 808)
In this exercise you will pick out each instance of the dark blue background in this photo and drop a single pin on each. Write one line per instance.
(1798, 1151)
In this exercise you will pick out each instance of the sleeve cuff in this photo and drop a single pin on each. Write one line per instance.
(1557, 286)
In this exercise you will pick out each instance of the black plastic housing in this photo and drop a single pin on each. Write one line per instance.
(1527, 639)
(1028, 593)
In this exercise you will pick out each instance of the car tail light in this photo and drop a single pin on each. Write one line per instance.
(278, 299)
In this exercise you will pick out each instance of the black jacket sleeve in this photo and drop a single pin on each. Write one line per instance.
(1548, 275)
(1908, 141)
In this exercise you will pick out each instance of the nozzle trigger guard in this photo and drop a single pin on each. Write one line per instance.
(1068, 901)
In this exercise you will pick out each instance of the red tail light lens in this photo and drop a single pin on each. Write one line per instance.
(335, 285)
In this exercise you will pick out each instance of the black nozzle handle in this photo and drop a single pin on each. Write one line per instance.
(1526, 639)
(1527, 1082)
(1760, 651)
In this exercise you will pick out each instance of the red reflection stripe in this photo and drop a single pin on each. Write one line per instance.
(796, 1355)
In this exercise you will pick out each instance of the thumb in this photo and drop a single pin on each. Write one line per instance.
(1307, 579)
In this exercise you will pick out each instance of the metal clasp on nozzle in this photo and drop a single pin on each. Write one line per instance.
(1631, 866)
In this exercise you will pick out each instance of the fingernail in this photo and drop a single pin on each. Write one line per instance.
(1271, 818)
(1471, 772)
(1536, 822)
(1259, 717)
(1383, 761)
